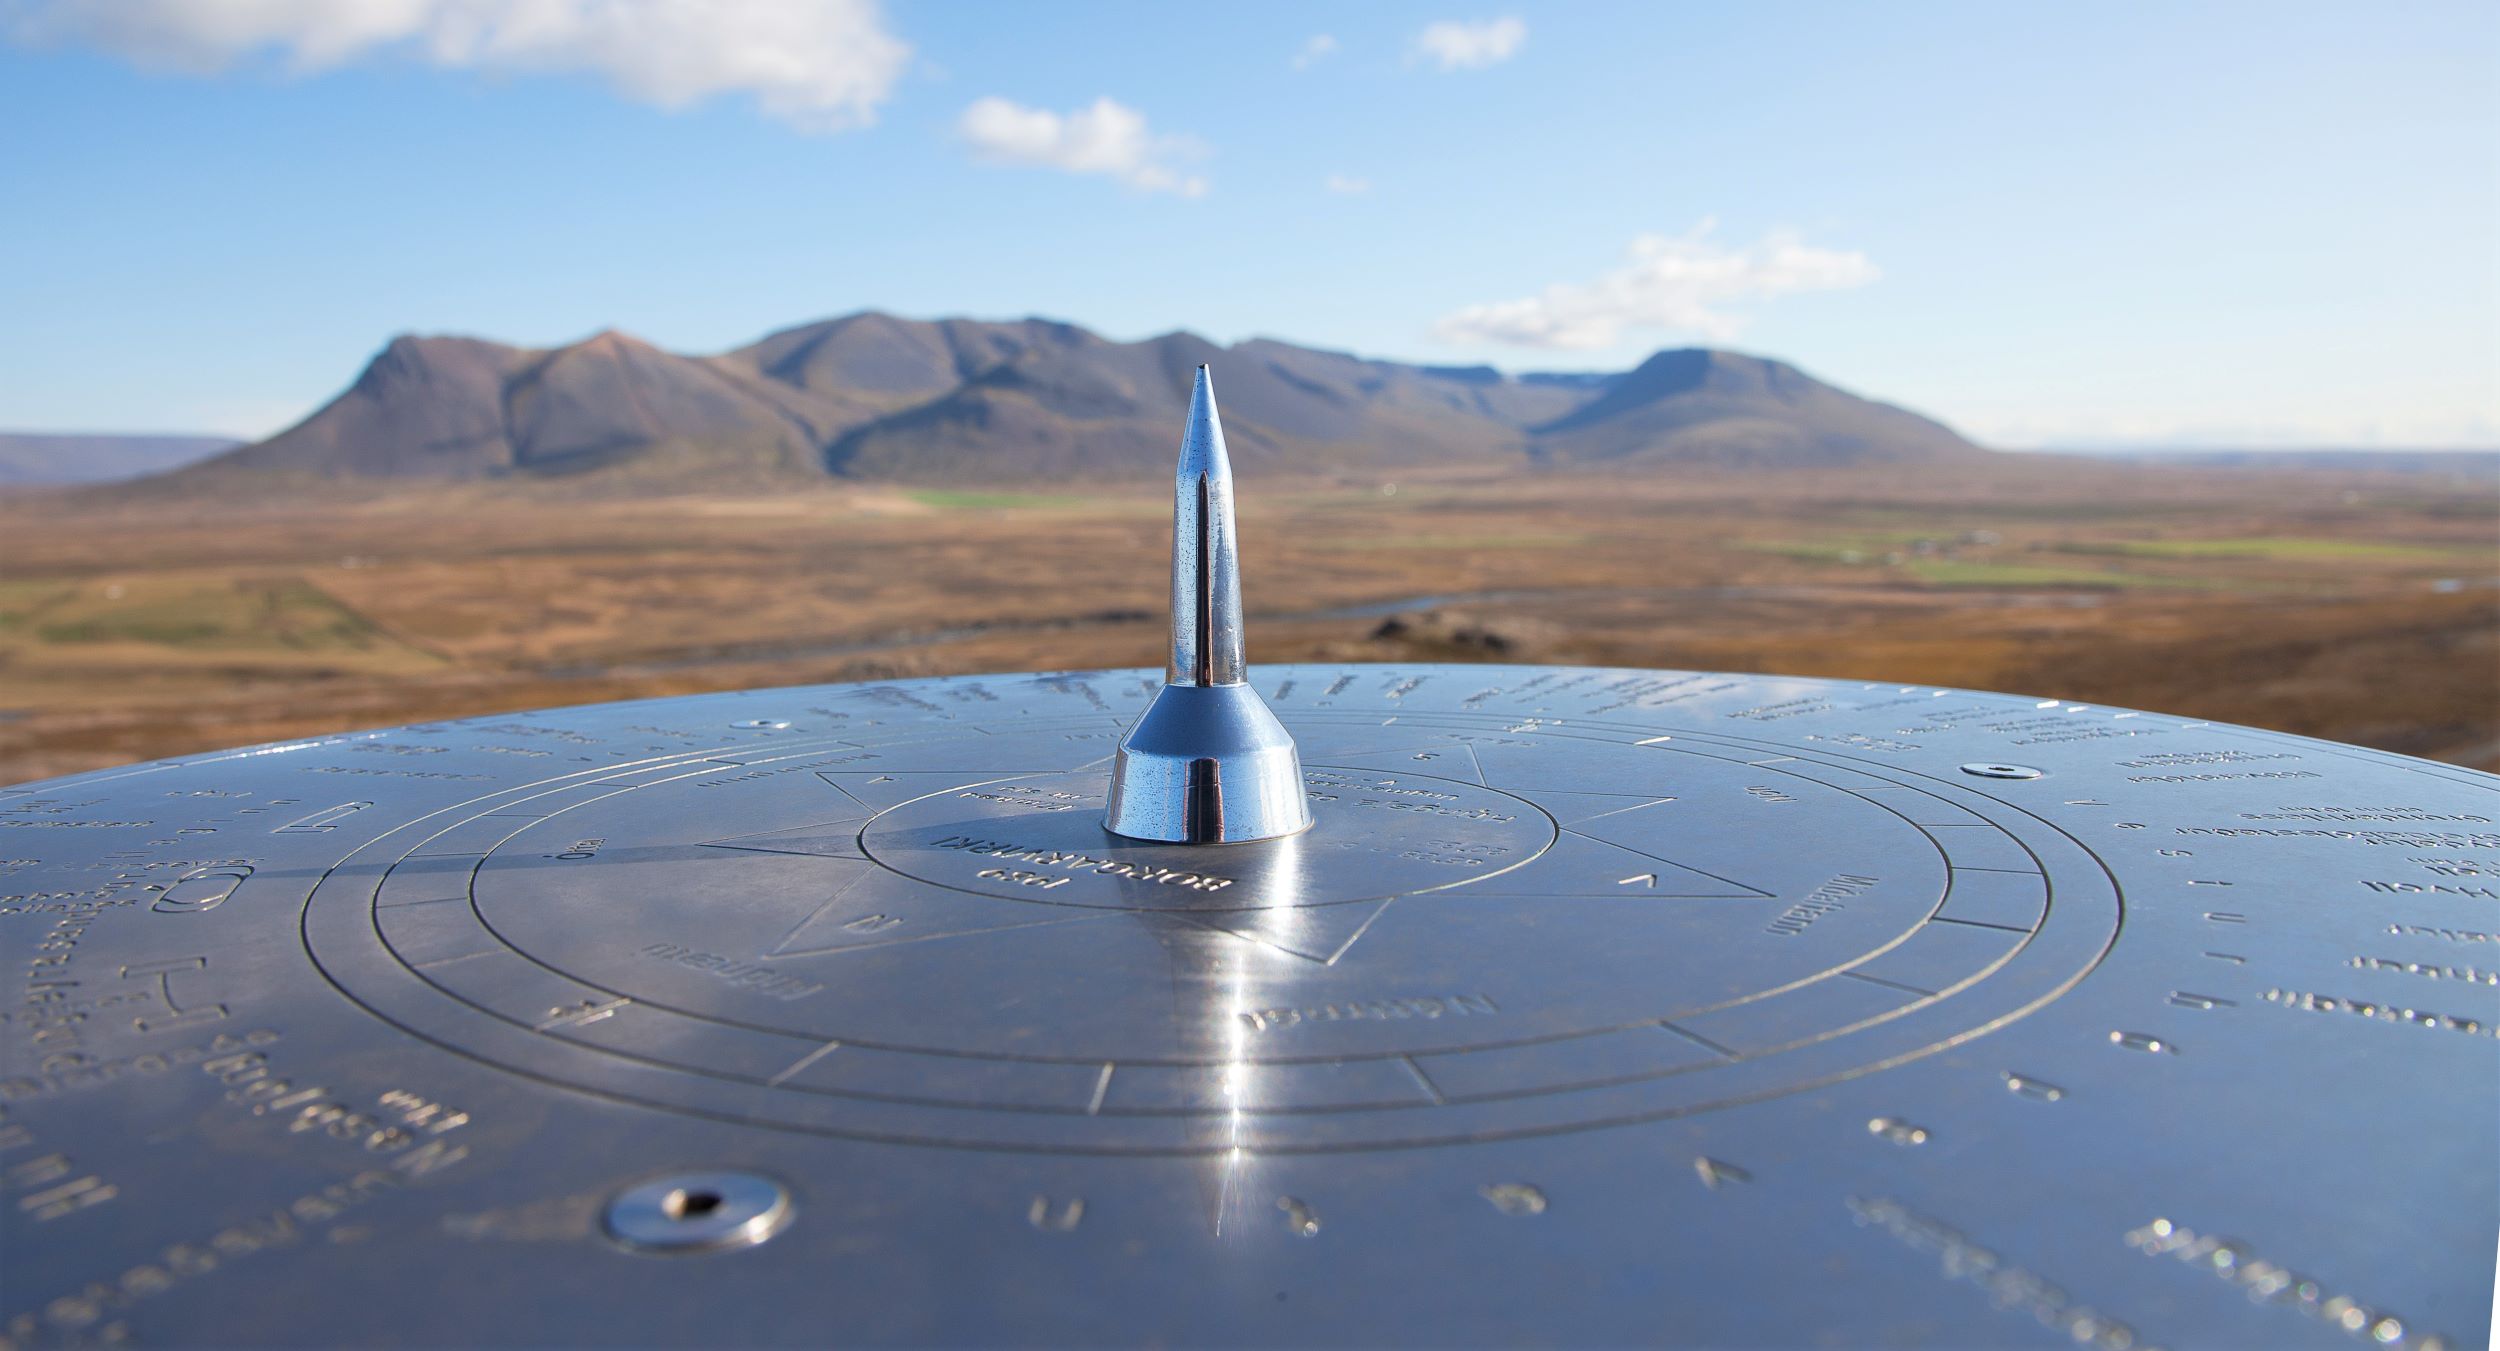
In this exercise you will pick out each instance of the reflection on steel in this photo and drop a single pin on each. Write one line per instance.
(1597, 1007)
(1207, 763)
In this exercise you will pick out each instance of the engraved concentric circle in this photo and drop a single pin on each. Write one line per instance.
(1765, 983)
(1497, 929)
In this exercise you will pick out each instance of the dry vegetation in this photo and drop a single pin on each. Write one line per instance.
(2355, 608)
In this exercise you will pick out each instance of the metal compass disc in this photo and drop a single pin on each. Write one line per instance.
(1596, 1006)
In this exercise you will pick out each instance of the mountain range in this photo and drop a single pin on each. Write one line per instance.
(29, 459)
(876, 397)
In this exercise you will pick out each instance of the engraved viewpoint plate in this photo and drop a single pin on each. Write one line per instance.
(1598, 1007)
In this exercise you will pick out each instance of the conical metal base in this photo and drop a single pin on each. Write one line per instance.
(1207, 764)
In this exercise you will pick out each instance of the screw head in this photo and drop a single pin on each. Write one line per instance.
(761, 725)
(1997, 771)
(691, 1213)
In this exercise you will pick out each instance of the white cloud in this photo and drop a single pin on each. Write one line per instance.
(1461, 44)
(1107, 138)
(1345, 186)
(1318, 48)
(1672, 282)
(820, 65)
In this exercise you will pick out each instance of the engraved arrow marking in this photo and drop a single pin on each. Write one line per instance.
(2039, 1089)
(1715, 1174)
(802, 1063)
(859, 917)
(582, 1014)
(823, 839)
(1319, 933)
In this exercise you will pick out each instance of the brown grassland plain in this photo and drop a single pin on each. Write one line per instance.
(2355, 607)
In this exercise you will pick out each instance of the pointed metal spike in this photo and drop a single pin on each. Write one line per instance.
(1207, 763)
(1206, 558)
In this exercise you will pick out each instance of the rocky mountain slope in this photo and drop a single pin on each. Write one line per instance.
(872, 396)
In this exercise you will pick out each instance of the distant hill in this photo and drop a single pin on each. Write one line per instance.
(31, 458)
(873, 396)
(2452, 464)
(1728, 409)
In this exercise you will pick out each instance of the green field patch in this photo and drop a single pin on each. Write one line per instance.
(224, 617)
(22, 602)
(2271, 547)
(1813, 551)
(1954, 572)
(1430, 541)
(1857, 546)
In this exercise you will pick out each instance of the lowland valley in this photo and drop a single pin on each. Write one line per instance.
(2343, 604)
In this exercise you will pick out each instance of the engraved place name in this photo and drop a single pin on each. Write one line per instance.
(371, 772)
(1821, 901)
(1792, 708)
(1043, 857)
(60, 902)
(2008, 1286)
(1373, 1010)
(1646, 693)
(2443, 935)
(2459, 867)
(97, 1073)
(50, 987)
(2268, 1283)
(27, 823)
(2408, 839)
(2378, 1011)
(49, 1186)
(557, 733)
(1030, 799)
(1320, 778)
(2365, 814)
(394, 1130)
(1433, 809)
(889, 696)
(77, 1312)
(2059, 729)
(2471, 975)
(2488, 893)
(2175, 759)
(762, 980)
(1863, 741)
(2225, 775)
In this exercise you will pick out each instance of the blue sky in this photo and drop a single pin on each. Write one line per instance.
(2258, 224)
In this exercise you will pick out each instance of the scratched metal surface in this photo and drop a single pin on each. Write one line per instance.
(1601, 1007)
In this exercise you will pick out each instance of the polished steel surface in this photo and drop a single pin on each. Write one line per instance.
(1207, 763)
(1597, 1007)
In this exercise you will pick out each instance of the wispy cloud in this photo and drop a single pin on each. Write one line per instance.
(1672, 282)
(1106, 138)
(1465, 44)
(819, 65)
(1345, 186)
(1317, 48)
